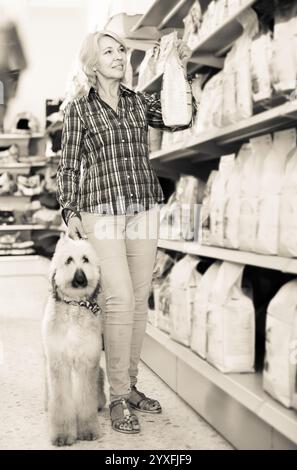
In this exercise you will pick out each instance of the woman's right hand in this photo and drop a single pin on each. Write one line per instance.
(75, 229)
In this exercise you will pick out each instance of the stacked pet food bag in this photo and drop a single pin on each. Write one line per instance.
(261, 65)
(249, 204)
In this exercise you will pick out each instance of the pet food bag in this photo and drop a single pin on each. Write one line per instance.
(192, 24)
(232, 199)
(178, 217)
(230, 322)
(201, 300)
(184, 280)
(281, 340)
(205, 210)
(270, 188)
(288, 209)
(162, 266)
(162, 299)
(148, 67)
(250, 187)
(217, 196)
(209, 99)
(176, 95)
(237, 88)
(284, 61)
(261, 57)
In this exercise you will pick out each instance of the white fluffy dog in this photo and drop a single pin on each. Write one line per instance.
(72, 340)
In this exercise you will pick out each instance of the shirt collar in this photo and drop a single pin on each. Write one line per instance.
(123, 91)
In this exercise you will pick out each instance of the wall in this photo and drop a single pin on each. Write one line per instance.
(51, 36)
(52, 32)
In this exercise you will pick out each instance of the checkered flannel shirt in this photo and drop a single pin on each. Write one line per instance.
(105, 166)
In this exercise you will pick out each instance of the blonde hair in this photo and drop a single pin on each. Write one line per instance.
(85, 77)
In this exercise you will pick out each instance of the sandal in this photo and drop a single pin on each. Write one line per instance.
(122, 419)
(144, 404)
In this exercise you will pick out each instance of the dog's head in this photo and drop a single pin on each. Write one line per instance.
(75, 270)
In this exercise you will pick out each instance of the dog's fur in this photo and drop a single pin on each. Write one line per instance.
(72, 345)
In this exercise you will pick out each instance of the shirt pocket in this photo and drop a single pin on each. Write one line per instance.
(94, 123)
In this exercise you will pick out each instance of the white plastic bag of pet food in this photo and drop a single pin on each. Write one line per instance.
(201, 300)
(206, 110)
(250, 187)
(232, 199)
(249, 21)
(229, 110)
(284, 48)
(281, 342)
(270, 188)
(237, 89)
(176, 95)
(230, 322)
(288, 209)
(178, 216)
(167, 140)
(162, 299)
(261, 57)
(205, 210)
(148, 67)
(217, 196)
(192, 24)
(166, 45)
(184, 280)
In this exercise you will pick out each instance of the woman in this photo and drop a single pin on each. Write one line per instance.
(110, 194)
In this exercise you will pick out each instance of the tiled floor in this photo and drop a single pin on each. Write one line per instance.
(24, 422)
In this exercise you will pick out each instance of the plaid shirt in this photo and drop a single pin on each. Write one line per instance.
(104, 166)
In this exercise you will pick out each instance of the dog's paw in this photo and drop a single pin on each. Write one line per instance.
(63, 440)
(88, 435)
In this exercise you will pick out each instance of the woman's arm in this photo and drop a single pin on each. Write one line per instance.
(68, 172)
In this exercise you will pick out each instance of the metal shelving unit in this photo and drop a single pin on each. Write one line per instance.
(15, 227)
(214, 143)
(234, 404)
(279, 263)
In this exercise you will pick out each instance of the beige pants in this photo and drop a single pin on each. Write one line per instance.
(126, 246)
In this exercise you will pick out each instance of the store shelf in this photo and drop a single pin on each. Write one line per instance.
(244, 392)
(218, 41)
(20, 136)
(21, 166)
(279, 263)
(211, 144)
(164, 13)
(209, 50)
(12, 227)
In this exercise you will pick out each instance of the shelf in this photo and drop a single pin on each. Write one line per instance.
(279, 263)
(208, 51)
(21, 166)
(164, 13)
(19, 136)
(12, 227)
(219, 40)
(244, 389)
(211, 143)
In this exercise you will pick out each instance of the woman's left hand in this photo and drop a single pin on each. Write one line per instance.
(184, 51)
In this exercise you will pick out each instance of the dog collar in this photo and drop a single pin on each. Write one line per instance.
(95, 309)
